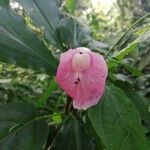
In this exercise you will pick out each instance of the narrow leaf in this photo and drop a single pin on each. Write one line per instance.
(121, 55)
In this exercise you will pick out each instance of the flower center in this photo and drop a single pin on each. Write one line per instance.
(81, 61)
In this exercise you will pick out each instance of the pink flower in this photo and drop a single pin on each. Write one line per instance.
(82, 74)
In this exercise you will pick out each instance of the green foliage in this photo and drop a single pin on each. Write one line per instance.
(73, 34)
(21, 85)
(18, 124)
(141, 103)
(45, 15)
(72, 136)
(117, 122)
(28, 49)
(34, 37)
(20, 46)
(70, 5)
(120, 56)
(42, 100)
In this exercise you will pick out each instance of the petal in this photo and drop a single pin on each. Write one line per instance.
(65, 74)
(83, 49)
(92, 83)
(81, 61)
(89, 89)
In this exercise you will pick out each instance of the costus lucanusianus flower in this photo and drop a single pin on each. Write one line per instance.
(82, 74)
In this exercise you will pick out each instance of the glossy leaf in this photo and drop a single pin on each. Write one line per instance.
(72, 136)
(19, 45)
(19, 130)
(117, 122)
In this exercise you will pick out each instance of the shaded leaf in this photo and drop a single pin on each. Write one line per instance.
(73, 34)
(95, 138)
(42, 100)
(134, 71)
(140, 102)
(144, 62)
(117, 122)
(117, 58)
(98, 46)
(114, 63)
(19, 130)
(19, 45)
(45, 14)
(72, 136)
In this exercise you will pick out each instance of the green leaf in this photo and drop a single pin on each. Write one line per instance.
(117, 122)
(18, 124)
(72, 136)
(98, 46)
(62, 32)
(70, 5)
(113, 63)
(120, 56)
(145, 61)
(117, 58)
(92, 133)
(57, 119)
(140, 102)
(20, 46)
(73, 34)
(45, 14)
(42, 100)
(132, 70)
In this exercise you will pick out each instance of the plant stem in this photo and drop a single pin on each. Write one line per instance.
(142, 18)
(68, 105)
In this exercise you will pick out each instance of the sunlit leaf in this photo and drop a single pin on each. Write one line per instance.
(121, 54)
(70, 5)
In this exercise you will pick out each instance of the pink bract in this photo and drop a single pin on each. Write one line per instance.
(82, 74)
